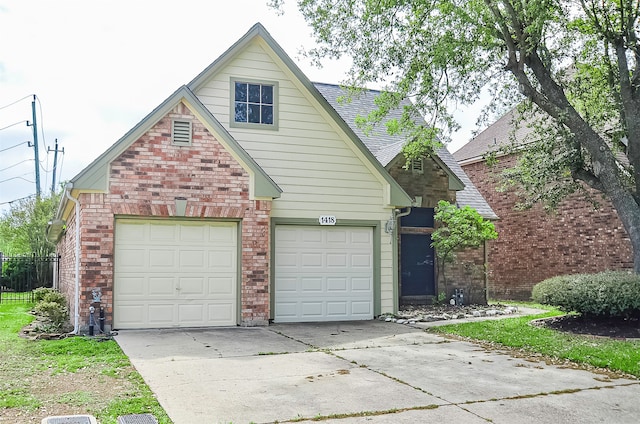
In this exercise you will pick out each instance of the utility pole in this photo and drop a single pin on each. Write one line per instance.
(55, 163)
(35, 145)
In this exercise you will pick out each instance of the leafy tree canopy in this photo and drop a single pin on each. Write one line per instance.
(23, 226)
(572, 65)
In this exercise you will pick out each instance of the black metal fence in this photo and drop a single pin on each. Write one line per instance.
(20, 275)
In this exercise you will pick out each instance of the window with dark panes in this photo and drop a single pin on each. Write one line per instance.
(253, 103)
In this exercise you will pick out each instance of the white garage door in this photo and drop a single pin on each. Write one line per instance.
(323, 273)
(174, 274)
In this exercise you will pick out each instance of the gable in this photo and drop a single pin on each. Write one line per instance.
(95, 176)
(313, 152)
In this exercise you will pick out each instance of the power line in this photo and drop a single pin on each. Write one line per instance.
(17, 200)
(18, 178)
(14, 146)
(14, 124)
(44, 146)
(17, 101)
(15, 164)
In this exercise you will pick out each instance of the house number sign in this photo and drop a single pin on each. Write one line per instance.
(327, 220)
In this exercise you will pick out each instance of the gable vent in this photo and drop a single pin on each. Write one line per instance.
(416, 166)
(181, 132)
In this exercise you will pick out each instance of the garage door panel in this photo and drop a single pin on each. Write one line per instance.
(223, 235)
(311, 236)
(175, 273)
(337, 309)
(131, 314)
(320, 272)
(220, 286)
(220, 312)
(161, 232)
(288, 310)
(192, 259)
(361, 237)
(361, 261)
(163, 287)
(361, 308)
(310, 260)
(312, 309)
(191, 314)
(192, 234)
(337, 260)
(222, 260)
(133, 286)
(132, 259)
(160, 315)
(287, 260)
(313, 284)
(161, 258)
(338, 284)
(134, 234)
(287, 284)
(362, 284)
(191, 287)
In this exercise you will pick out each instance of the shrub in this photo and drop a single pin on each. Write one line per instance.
(55, 313)
(52, 306)
(44, 294)
(605, 294)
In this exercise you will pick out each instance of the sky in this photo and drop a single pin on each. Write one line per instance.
(98, 68)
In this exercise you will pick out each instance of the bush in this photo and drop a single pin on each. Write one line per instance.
(55, 313)
(51, 305)
(43, 294)
(615, 294)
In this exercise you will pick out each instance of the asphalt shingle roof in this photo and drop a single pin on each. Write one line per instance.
(386, 147)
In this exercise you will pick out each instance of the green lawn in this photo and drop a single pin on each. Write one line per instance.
(518, 334)
(76, 375)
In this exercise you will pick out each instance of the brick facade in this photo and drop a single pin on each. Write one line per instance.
(467, 271)
(144, 181)
(533, 245)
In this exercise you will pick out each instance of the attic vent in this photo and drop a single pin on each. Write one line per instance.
(181, 132)
(416, 166)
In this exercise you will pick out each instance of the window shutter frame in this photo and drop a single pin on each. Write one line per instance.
(181, 132)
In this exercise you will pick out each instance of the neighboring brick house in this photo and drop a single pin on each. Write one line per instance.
(244, 198)
(533, 245)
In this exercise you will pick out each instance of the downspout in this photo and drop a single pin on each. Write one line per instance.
(397, 214)
(76, 309)
(486, 272)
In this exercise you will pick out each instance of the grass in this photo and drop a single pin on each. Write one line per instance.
(517, 333)
(76, 375)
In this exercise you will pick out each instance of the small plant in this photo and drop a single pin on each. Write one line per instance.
(441, 299)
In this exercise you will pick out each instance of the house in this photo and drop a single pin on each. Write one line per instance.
(246, 197)
(534, 245)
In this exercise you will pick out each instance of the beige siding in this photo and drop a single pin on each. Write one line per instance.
(309, 157)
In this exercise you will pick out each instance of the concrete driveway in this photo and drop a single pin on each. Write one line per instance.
(363, 372)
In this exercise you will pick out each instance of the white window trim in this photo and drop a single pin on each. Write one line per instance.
(253, 125)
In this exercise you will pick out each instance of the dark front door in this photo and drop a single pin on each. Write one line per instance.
(417, 262)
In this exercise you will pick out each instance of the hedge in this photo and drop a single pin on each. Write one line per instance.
(610, 293)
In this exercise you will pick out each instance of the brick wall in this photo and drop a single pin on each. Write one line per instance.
(533, 245)
(144, 181)
(432, 184)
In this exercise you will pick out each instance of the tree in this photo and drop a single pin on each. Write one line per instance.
(23, 227)
(458, 229)
(573, 64)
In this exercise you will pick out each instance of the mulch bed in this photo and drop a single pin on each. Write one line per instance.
(616, 328)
